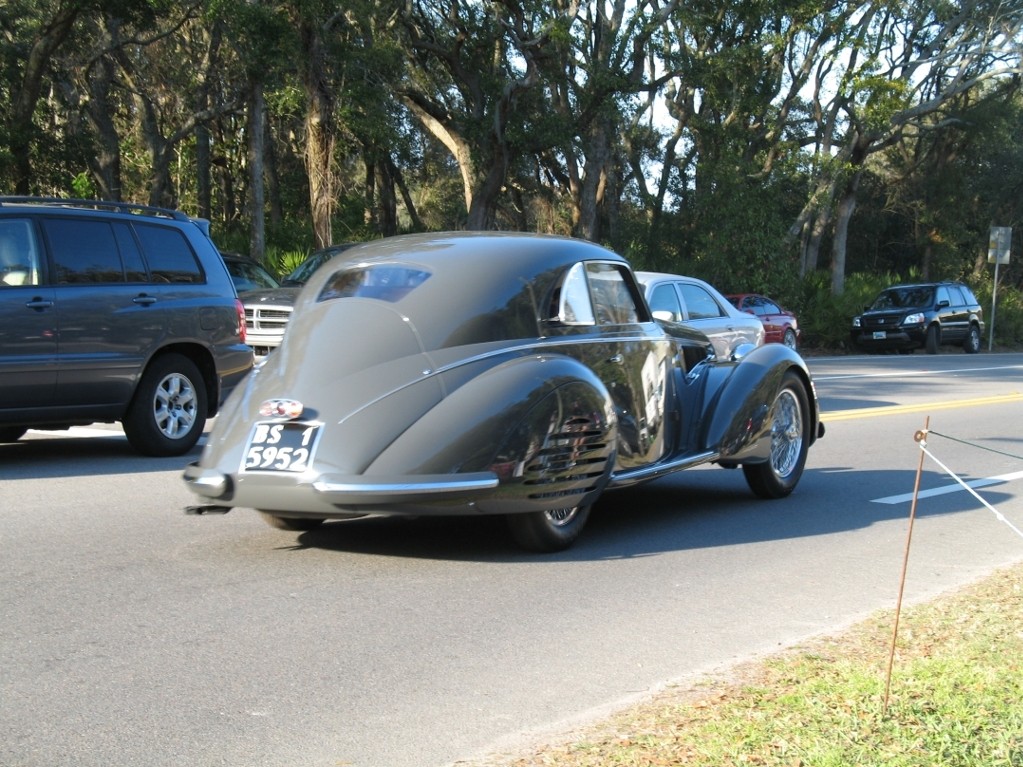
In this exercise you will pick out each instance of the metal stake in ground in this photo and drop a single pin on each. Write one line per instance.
(921, 438)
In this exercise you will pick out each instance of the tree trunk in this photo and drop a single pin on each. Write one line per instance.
(257, 194)
(846, 208)
(594, 183)
(387, 221)
(319, 129)
(106, 165)
(24, 100)
(406, 196)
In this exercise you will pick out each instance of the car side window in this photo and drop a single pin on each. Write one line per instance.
(571, 302)
(754, 304)
(699, 303)
(169, 255)
(84, 252)
(769, 307)
(943, 297)
(613, 303)
(19, 253)
(664, 303)
(956, 295)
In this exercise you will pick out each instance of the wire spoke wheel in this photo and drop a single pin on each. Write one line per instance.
(790, 439)
(550, 530)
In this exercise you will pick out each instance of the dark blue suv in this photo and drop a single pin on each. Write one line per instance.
(920, 316)
(114, 312)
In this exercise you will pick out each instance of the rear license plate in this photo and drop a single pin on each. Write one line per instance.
(880, 335)
(276, 446)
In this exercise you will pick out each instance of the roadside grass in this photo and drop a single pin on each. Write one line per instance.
(955, 699)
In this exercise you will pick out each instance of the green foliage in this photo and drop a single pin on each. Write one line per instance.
(827, 319)
(82, 187)
(1008, 314)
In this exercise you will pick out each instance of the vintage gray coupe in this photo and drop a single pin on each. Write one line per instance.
(492, 373)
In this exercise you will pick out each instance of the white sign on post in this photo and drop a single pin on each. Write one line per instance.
(1000, 245)
(998, 249)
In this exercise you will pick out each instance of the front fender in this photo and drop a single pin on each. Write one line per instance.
(739, 397)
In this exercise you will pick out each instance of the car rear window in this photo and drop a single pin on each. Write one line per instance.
(385, 282)
(168, 254)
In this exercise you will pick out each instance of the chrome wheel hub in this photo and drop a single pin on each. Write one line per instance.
(175, 406)
(786, 434)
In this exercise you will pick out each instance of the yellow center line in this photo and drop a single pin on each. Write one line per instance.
(867, 412)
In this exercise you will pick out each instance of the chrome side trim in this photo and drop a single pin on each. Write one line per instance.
(644, 473)
(348, 490)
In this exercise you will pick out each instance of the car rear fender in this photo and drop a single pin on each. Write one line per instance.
(738, 398)
(544, 424)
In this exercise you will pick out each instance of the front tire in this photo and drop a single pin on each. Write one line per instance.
(971, 344)
(293, 524)
(790, 440)
(933, 340)
(168, 413)
(789, 339)
(548, 531)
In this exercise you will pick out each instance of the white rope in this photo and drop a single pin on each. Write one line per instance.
(970, 490)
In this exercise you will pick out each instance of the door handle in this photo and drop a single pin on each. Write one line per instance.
(144, 300)
(39, 303)
(617, 359)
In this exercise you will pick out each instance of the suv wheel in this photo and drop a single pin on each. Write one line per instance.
(933, 340)
(168, 412)
(971, 344)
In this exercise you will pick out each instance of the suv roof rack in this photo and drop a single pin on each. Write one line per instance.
(122, 207)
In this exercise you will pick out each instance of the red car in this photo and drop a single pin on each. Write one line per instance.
(780, 325)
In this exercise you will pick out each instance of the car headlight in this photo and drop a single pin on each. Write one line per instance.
(856, 322)
(914, 319)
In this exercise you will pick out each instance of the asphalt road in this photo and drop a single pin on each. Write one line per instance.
(133, 635)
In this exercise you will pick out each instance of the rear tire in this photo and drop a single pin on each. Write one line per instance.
(548, 531)
(971, 344)
(790, 440)
(933, 340)
(294, 524)
(168, 413)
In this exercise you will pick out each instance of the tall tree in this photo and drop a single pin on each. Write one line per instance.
(468, 66)
(909, 62)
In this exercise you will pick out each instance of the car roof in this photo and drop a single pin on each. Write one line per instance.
(923, 284)
(649, 278)
(477, 279)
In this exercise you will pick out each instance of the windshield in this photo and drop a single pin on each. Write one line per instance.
(905, 298)
(302, 272)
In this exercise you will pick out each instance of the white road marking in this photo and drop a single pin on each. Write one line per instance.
(953, 488)
(908, 373)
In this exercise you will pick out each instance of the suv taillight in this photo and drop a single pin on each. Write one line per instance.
(241, 318)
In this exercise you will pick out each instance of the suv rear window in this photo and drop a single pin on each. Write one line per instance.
(169, 255)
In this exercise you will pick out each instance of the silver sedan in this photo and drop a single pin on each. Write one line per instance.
(693, 302)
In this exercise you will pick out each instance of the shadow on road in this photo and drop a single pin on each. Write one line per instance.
(692, 510)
